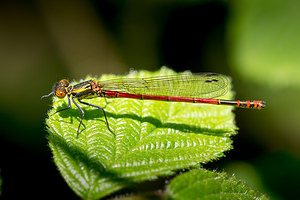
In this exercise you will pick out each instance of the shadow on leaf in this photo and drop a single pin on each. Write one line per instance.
(95, 114)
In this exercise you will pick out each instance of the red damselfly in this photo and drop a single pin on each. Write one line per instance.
(186, 87)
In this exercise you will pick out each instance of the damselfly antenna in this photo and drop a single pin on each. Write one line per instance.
(47, 95)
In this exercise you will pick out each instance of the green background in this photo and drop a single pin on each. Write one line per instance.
(255, 42)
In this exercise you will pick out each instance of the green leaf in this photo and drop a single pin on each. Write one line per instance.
(203, 184)
(153, 138)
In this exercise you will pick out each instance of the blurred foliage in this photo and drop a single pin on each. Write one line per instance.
(265, 41)
(268, 173)
(203, 184)
(255, 42)
(263, 46)
(0, 185)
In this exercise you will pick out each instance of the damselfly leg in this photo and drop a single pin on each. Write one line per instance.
(83, 113)
(103, 114)
(69, 106)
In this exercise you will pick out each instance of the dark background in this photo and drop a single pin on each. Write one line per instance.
(255, 42)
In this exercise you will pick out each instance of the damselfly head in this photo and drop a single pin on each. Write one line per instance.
(59, 89)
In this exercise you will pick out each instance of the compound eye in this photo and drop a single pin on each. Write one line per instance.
(60, 94)
(64, 82)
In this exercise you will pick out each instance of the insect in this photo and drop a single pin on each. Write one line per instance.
(186, 87)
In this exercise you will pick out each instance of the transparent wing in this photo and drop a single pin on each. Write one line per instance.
(202, 85)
